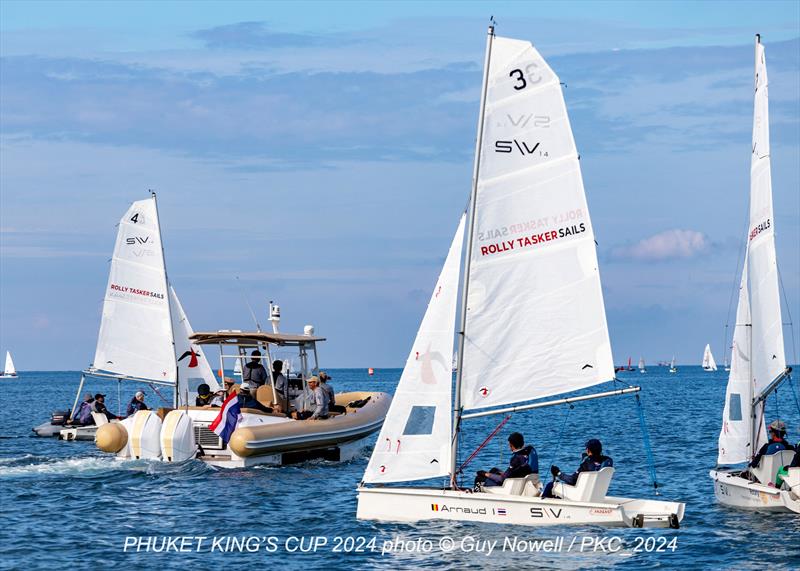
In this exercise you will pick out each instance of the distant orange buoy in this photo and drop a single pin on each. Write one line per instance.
(371, 371)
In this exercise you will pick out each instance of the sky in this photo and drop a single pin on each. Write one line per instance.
(322, 152)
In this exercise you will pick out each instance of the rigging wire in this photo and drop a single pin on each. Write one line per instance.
(483, 444)
(651, 463)
(794, 394)
(789, 315)
(561, 436)
(734, 288)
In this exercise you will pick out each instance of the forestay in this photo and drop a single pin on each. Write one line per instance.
(414, 443)
(135, 337)
(536, 323)
(193, 368)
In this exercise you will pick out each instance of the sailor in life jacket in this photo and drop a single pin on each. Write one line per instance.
(593, 461)
(137, 404)
(524, 461)
(777, 443)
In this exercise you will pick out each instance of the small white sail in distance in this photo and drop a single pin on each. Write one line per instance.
(237, 368)
(708, 359)
(414, 443)
(9, 370)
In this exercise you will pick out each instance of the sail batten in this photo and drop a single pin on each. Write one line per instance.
(535, 320)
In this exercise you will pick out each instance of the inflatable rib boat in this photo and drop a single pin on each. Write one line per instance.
(260, 438)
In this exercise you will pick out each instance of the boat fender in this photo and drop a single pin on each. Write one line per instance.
(111, 437)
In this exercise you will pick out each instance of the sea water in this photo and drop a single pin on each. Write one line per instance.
(66, 505)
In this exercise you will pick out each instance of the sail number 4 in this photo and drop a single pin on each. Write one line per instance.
(530, 76)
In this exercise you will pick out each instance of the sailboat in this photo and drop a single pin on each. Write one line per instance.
(708, 359)
(672, 367)
(144, 332)
(529, 257)
(237, 368)
(9, 372)
(758, 361)
(642, 368)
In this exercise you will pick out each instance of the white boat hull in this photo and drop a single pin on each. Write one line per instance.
(734, 491)
(416, 504)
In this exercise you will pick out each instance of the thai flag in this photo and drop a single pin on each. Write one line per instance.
(228, 418)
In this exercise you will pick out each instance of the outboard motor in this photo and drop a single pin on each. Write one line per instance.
(60, 417)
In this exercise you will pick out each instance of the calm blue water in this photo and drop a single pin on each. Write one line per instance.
(65, 505)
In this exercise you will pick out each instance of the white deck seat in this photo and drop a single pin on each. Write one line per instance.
(590, 486)
(527, 486)
(769, 465)
(99, 418)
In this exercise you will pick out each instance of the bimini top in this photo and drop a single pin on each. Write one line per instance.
(238, 337)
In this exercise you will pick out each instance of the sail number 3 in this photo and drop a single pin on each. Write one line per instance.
(530, 76)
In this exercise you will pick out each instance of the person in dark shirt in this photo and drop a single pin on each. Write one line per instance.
(99, 405)
(253, 373)
(204, 395)
(136, 404)
(777, 442)
(593, 461)
(524, 461)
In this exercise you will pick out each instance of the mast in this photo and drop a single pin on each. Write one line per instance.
(467, 260)
(755, 422)
(169, 302)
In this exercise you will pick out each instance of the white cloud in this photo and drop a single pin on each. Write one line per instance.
(667, 245)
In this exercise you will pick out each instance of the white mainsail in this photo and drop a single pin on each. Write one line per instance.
(136, 338)
(641, 364)
(237, 368)
(192, 370)
(9, 370)
(757, 356)
(709, 364)
(536, 323)
(414, 443)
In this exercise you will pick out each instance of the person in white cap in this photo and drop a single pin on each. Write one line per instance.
(777, 442)
(137, 404)
(318, 402)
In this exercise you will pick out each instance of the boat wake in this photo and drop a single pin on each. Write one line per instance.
(30, 465)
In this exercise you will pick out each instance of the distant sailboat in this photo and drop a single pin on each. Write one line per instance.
(708, 359)
(642, 368)
(9, 372)
(672, 367)
(237, 368)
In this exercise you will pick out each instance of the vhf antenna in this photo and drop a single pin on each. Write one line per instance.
(247, 303)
